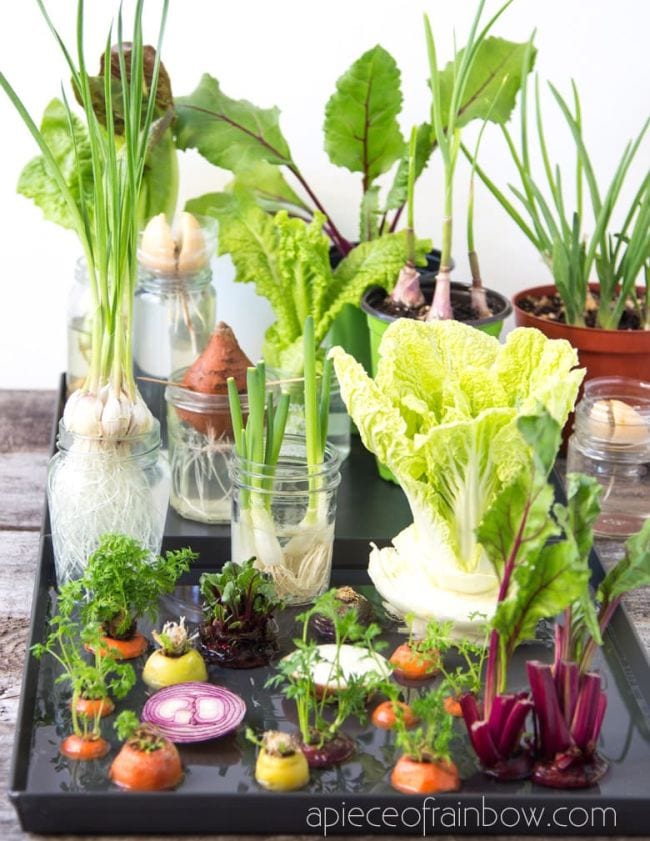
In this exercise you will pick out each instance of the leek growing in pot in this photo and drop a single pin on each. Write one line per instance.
(449, 113)
(285, 487)
(442, 414)
(98, 486)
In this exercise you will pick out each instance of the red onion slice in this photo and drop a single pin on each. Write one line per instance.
(194, 711)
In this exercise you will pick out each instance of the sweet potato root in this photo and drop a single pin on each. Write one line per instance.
(221, 359)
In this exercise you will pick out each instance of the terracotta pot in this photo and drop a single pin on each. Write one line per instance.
(604, 353)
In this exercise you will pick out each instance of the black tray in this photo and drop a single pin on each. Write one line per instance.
(219, 794)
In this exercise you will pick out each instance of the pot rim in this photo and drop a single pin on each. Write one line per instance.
(455, 286)
(551, 288)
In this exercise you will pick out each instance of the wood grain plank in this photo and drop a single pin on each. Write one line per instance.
(22, 487)
(26, 420)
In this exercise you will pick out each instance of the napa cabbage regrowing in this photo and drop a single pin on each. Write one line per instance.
(442, 414)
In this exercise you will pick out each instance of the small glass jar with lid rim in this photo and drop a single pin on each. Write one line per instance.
(611, 442)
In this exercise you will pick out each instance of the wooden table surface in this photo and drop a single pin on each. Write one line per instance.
(25, 428)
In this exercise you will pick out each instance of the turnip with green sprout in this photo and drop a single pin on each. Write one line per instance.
(99, 485)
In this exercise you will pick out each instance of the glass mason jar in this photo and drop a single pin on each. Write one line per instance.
(173, 317)
(284, 516)
(79, 328)
(611, 442)
(97, 486)
(339, 424)
(200, 441)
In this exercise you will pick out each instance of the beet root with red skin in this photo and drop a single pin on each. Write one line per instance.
(333, 752)
(209, 374)
(580, 774)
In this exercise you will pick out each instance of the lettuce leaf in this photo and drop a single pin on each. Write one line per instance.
(442, 415)
(36, 182)
(288, 261)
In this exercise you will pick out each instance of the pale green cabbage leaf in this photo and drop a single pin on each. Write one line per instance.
(442, 414)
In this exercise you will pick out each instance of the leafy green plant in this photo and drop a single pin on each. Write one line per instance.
(322, 712)
(431, 739)
(94, 677)
(442, 413)
(450, 112)
(123, 582)
(361, 134)
(618, 258)
(467, 677)
(238, 598)
(98, 182)
(70, 142)
(142, 737)
(288, 261)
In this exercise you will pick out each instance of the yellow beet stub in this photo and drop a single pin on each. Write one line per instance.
(281, 773)
(161, 670)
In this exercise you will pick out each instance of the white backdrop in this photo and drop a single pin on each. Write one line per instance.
(290, 53)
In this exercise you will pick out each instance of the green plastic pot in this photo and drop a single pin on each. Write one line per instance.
(378, 323)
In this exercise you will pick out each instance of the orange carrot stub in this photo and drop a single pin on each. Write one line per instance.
(412, 664)
(452, 706)
(221, 359)
(91, 707)
(147, 770)
(384, 715)
(123, 649)
(76, 747)
(429, 777)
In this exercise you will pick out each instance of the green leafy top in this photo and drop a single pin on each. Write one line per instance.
(139, 736)
(468, 676)
(361, 129)
(431, 739)
(122, 582)
(442, 413)
(361, 132)
(321, 714)
(99, 182)
(95, 676)
(288, 261)
(539, 577)
(240, 598)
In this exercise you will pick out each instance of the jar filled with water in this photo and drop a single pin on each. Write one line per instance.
(611, 442)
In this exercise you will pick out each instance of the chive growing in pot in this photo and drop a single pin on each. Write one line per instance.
(97, 487)
(285, 487)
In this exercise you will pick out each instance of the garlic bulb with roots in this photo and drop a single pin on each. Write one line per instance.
(109, 414)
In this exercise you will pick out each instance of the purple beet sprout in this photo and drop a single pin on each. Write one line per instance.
(570, 709)
(497, 739)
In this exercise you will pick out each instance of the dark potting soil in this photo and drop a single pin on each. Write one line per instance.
(460, 305)
(551, 308)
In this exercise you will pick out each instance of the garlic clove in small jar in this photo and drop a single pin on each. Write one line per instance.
(141, 418)
(157, 246)
(618, 423)
(191, 244)
(116, 416)
(173, 253)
